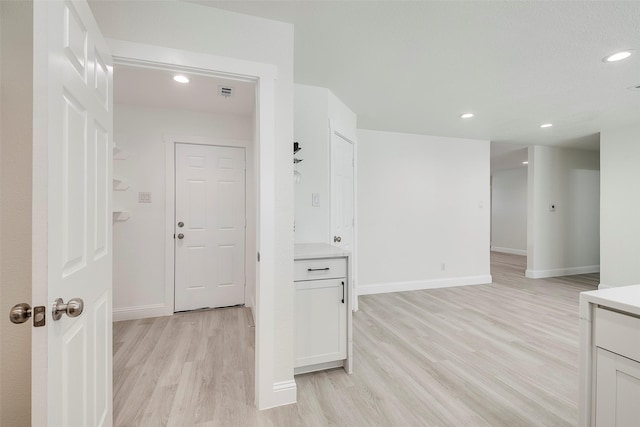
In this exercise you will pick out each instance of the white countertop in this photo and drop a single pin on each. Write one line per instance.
(623, 298)
(317, 250)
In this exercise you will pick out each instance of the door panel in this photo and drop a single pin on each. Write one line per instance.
(342, 204)
(73, 128)
(210, 200)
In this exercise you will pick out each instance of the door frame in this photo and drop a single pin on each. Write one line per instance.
(170, 213)
(264, 75)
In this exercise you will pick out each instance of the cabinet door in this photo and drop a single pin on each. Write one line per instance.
(617, 390)
(321, 322)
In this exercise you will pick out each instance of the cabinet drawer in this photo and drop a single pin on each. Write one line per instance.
(618, 333)
(314, 269)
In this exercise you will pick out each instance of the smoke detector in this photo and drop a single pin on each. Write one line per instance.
(225, 91)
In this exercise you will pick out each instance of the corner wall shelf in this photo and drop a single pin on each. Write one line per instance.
(121, 215)
(120, 184)
(119, 154)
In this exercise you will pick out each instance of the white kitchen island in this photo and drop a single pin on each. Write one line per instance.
(323, 301)
(610, 357)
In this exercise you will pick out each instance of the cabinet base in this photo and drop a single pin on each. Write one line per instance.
(320, 367)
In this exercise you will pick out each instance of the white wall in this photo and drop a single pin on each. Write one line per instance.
(315, 108)
(311, 130)
(565, 241)
(16, 113)
(197, 28)
(139, 242)
(620, 206)
(509, 211)
(423, 204)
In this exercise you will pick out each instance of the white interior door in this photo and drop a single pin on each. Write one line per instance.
(342, 194)
(210, 226)
(73, 123)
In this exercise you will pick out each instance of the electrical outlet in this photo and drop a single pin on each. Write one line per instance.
(144, 197)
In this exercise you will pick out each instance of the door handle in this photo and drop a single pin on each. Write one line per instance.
(337, 239)
(180, 236)
(181, 224)
(22, 312)
(73, 308)
(343, 292)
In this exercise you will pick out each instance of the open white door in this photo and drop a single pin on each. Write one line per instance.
(72, 225)
(342, 193)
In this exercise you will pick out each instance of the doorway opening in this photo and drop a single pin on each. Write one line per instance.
(161, 125)
(153, 115)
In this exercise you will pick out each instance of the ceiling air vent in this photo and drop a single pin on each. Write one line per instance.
(225, 91)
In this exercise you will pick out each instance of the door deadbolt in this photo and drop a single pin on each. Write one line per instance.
(181, 224)
(180, 236)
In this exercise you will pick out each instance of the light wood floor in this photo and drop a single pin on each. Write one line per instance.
(504, 354)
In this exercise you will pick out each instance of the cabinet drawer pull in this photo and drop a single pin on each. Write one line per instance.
(318, 269)
(343, 292)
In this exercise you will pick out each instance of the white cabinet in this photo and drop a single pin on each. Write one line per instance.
(617, 397)
(322, 330)
(610, 357)
(321, 322)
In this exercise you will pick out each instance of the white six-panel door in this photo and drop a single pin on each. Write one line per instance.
(210, 226)
(73, 124)
(342, 192)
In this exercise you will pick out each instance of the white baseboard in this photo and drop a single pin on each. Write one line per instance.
(252, 306)
(509, 250)
(140, 312)
(555, 272)
(416, 285)
(284, 393)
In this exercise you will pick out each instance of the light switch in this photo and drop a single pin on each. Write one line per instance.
(144, 197)
(315, 200)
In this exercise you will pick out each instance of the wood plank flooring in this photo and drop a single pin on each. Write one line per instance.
(504, 354)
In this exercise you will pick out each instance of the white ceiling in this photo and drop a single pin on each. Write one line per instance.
(416, 66)
(149, 87)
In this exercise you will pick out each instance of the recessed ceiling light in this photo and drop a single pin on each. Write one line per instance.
(546, 125)
(618, 56)
(525, 162)
(466, 115)
(181, 79)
